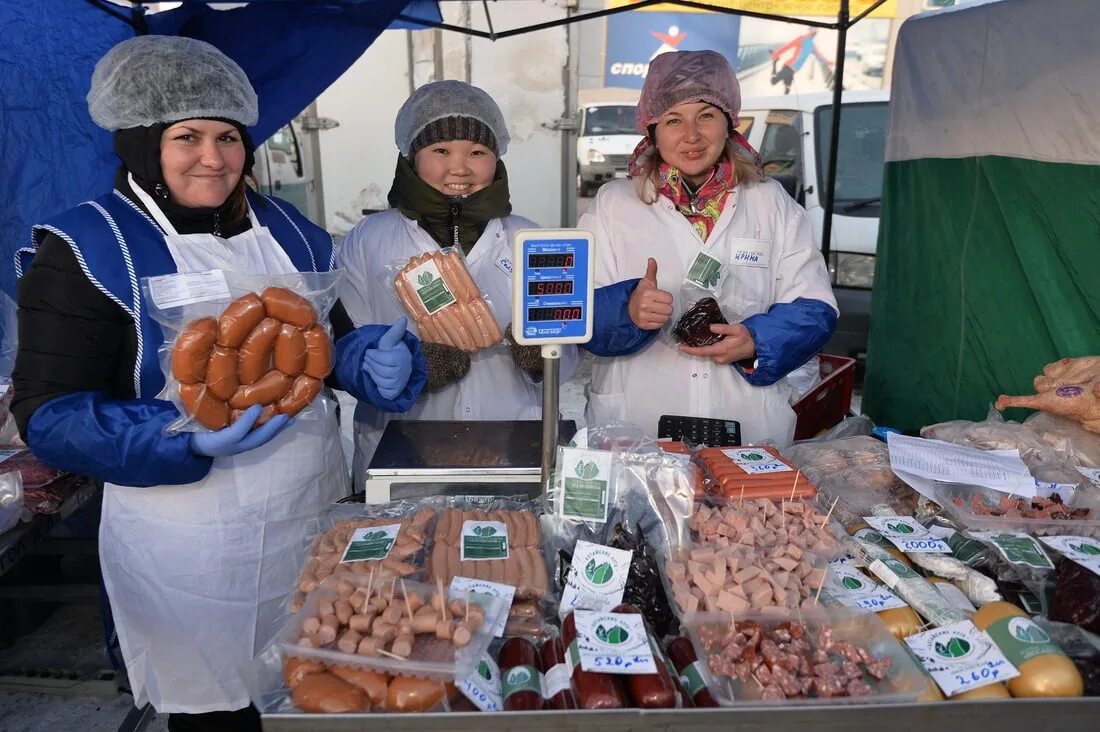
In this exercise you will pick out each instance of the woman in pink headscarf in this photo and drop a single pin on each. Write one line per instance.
(698, 220)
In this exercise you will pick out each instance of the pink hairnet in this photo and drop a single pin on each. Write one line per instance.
(688, 76)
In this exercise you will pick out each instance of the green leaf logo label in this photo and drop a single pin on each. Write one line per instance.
(1026, 631)
(587, 470)
(484, 672)
(517, 676)
(954, 648)
(900, 528)
(1090, 549)
(753, 456)
(852, 583)
(485, 530)
(374, 535)
(614, 636)
(598, 574)
(424, 279)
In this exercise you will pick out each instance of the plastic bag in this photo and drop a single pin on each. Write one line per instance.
(11, 500)
(1062, 433)
(32, 471)
(436, 290)
(9, 331)
(224, 379)
(858, 426)
(1082, 647)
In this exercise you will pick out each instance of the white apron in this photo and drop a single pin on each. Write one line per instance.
(198, 574)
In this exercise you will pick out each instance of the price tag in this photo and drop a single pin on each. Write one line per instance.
(960, 657)
(613, 643)
(585, 477)
(1081, 549)
(430, 287)
(484, 540)
(754, 460)
(1065, 491)
(483, 686)
(907, 534)
(374, 542)
(706, 272)
(491, 589)
(1016, 548)
(185, 288)
(848, 586)
(597, 578)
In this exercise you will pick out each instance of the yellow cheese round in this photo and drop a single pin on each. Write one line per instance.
(1045, 670)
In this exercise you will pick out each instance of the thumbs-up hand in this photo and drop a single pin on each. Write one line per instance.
(649, 307)
(390, 364)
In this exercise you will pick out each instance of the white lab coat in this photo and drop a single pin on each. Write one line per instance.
(494, 389)
(658, 379)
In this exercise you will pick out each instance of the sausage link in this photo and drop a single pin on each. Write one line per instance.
(289, 307)
(457, 276)
(450, 323)
(318, 362)
(595, 690)
(221, 374)
(290, 351)
(519, 674)
(538, 571)
(210, 412)
(407, 295)
(255, 354)
(239, 319)
(557, 675)
(301, 394)
(192, 350)
(269, 389)
(682, 655)
(485, 320)
(650, 691)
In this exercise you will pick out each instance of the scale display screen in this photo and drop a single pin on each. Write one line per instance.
(553, 286)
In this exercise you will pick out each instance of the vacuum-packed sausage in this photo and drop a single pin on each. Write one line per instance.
(682, 654)
(326, 693)
(209, 411)
(521, 685)
(559, 689)
(374, 683)
(270, 388)
(650, 691)
(594, 690)
(409, 694)
(290, 351)
(221, 373)
(255, 354)
(318, 361)
(238, 320)
(302, 392)
(265, 414)
(289, 307)
(192, 350)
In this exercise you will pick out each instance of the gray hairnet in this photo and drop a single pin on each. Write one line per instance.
(447, 99)
(150, 80)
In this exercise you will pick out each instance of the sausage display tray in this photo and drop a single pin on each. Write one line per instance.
(1016, 715)
(455, 452)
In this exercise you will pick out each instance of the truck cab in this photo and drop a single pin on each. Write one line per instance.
(606, 138)
(792, 135)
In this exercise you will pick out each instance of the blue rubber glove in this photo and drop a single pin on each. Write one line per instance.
(390, 365)
(239, 437)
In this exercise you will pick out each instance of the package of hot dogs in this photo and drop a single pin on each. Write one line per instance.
(436, 290)
(233, 341)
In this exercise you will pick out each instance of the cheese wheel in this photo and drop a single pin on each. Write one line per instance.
(993, 691)
(1045, 670)
(901, 621)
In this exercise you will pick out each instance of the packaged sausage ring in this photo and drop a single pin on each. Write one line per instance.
(233, 341)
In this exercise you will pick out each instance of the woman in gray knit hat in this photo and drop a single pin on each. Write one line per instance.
(450, 190)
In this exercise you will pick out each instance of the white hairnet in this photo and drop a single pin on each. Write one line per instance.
(447, 99)
(150, 80)
(687, 76)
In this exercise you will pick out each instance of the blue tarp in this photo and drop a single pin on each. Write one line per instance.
(52, 156)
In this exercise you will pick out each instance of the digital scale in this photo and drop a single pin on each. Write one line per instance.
(551, 306)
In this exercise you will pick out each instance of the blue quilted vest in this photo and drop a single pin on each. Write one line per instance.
(117, 244)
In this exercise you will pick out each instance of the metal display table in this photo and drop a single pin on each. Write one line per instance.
(1017, 715)
(423, 458)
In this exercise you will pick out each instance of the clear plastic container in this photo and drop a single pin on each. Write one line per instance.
(431, 657)
(903, 682)
(946, 495)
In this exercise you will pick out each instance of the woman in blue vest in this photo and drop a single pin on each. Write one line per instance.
(202, 533)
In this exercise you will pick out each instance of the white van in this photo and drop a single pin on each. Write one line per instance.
(792, 134)
(605, 137)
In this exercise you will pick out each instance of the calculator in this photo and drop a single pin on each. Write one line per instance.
(700, 430)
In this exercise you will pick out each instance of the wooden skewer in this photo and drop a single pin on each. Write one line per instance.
(391, 655)
(825, 521)
(405, 592)
(467, 612)
(793, 487)
(442, 600)
(742, 500)
(370, 586)
(756, 680)
(817, 597)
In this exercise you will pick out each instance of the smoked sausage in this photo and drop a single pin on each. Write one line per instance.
(255, 358)
(318, 361)
(650, 691)
(594, 690)
(520, 675)
(210, 412)
(682, 654)
(289, 307)
(221, 373)
(238, 320)
(302, 392)
(559, 690)
(192, 350)
(270, 388)
(290, 351)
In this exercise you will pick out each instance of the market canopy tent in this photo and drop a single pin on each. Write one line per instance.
(54, 156)
(989, 248)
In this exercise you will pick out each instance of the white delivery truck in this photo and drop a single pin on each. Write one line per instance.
(792, 134)
(605, 136)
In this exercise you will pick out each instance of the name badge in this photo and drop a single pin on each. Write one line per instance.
(751, 253)
(504, 264)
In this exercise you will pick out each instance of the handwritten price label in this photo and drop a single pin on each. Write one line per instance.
(614, 643)
(960, 657)
(907, 534)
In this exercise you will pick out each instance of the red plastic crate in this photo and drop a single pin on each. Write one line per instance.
(828, 402)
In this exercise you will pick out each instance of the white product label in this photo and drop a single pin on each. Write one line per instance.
(960, 657)
(613, 643)
(1016, 548)
(921, 462)
(482, 687)
(706, 272)
(430, 287)
(484, 540)
(504, 264)
(884, 573)
(907, 534)
(1065, 491)
(955, 597)
(851, 588)
(491, 589)
(8, 454)
(556, 680)
(754, 460)
(174, 290)
(374, 542)
(597, 578)
(1080, 549)
(1093, 474)
(585, 484)
(751, 252)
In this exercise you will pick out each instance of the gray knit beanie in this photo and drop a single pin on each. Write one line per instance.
(454, 128)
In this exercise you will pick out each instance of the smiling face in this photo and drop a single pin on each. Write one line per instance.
(202, 161)
(691, 137)
(456, 167)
